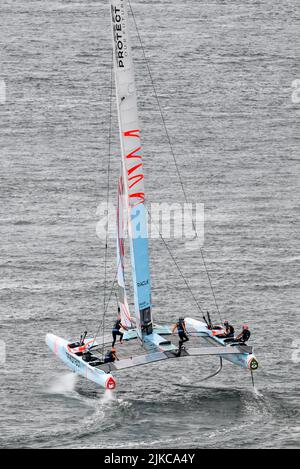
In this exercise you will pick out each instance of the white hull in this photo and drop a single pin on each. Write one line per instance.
(60, 347)
(199, 329)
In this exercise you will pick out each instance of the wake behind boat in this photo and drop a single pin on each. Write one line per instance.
(144, 341)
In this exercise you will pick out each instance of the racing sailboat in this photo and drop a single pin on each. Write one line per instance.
(154, 342)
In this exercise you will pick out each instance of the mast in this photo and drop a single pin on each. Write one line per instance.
(133, 175)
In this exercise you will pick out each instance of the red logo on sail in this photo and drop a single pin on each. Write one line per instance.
(135, 172)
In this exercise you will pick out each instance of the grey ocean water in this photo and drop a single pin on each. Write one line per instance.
(224, 72)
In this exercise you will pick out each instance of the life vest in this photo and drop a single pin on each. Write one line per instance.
(180, 326)
(246, 335)
(117, 326)
(109, 357)
(230, 330)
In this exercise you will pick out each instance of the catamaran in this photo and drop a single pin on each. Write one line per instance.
(153, 343)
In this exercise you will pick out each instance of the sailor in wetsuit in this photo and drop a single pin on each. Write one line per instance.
(229, 330)
(181, 329)
(116, 330)
(86, 356)
(111, 356)
(244, 336)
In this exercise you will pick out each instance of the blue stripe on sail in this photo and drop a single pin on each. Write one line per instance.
(142, 273)
(140, 256)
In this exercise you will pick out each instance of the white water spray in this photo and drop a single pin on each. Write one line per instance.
(108, 396)
(256, 392)
(63, 384)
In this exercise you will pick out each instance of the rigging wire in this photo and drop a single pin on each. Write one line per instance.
(107, 202)
(174, 157)
(102, 323)
(175, 262)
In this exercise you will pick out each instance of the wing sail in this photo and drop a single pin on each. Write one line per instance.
(133, 173)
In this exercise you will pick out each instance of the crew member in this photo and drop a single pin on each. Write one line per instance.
(86, 356)
(111, 356)
(181, 329)
(229, 330)
(244, 336)
(116, 330)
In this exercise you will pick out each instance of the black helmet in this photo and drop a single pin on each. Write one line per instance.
(181, 319)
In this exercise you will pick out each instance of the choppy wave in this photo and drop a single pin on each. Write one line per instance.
(226, 92)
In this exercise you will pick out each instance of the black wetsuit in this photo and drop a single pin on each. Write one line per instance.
(116, 331)
(86, 356)
(245, 337)
(109, 357)
(181, 332)
(229, 331)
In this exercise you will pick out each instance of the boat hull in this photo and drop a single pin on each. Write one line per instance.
(59, 347)
(245, 360)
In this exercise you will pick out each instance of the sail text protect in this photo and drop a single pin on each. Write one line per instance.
(119, 36)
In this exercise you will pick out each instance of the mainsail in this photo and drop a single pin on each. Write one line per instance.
(132, 167)
(122, 297)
